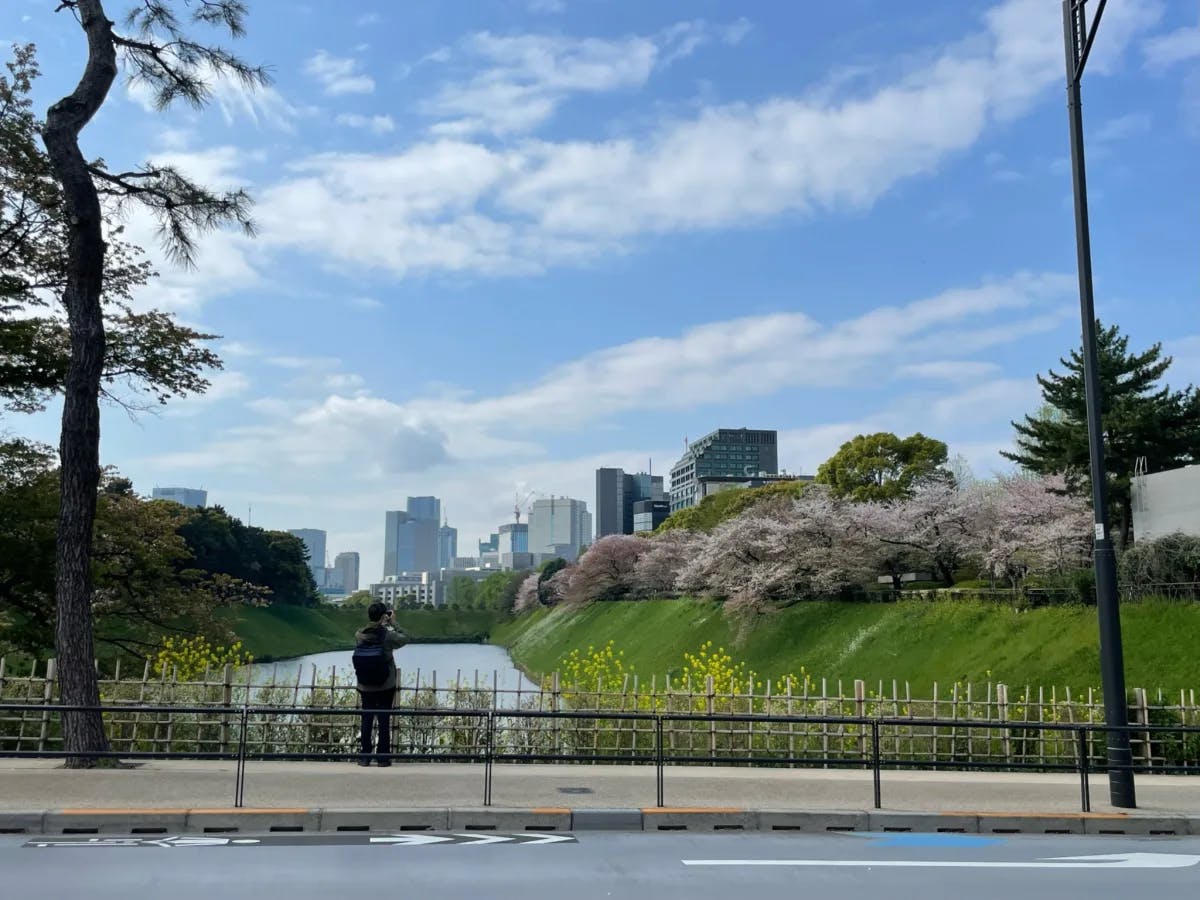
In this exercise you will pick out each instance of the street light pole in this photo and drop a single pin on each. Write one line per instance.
(1079, 38)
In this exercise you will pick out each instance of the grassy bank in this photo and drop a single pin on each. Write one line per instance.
(280, 632)
(916, 641)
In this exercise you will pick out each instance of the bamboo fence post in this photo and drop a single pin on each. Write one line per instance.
(1002, 708)
(710, 697)
(227, 703)
(860, 710)
(1143, 718)
(47, 697)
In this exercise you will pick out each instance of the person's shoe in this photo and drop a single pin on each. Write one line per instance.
(384, 763)
(364, 762)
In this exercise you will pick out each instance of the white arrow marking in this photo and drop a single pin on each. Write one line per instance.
(409, 840)
(193, 842)
(484, 839)
(547, 838)
(1107, 861)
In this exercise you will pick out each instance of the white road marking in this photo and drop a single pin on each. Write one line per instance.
(409, 840)
(548, 838)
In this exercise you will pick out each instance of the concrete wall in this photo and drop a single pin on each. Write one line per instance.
(1166, 502)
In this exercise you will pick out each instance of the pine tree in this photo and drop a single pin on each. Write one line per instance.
(1141, 417)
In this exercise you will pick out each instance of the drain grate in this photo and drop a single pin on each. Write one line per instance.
(575, 790)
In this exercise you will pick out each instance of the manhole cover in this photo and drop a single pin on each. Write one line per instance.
(574, 790)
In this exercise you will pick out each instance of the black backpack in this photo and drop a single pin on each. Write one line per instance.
(372, 663)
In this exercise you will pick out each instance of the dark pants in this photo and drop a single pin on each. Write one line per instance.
(374, 704)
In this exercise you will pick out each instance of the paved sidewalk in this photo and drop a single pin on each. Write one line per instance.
(46, 785)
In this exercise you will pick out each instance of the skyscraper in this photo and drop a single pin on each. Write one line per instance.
(347, 565)
(409, 544)
(616, 494)
(447, 546)
(425, 508)
(559, 522)
(190, 497)
(314, 543)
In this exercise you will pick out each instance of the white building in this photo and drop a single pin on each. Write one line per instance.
(559, 522)
(1166, 502)
(424, 587)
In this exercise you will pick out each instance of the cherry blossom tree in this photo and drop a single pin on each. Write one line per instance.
(937, 529)
(662, 557)
(607, 571)
(528, 597)
(1035, 527)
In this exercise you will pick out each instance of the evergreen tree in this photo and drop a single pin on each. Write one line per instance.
(1141, 418)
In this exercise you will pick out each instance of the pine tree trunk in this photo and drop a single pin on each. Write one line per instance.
(79, 444)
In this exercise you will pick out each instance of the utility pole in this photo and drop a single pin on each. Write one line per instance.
(1079, 38)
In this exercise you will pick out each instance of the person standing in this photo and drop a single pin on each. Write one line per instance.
(375, 671)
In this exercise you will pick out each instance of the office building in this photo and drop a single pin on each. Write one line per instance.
(513, 538)
(559, 521)
(409, 544)
(346, 564)
(616, 494)
(424, 587)
(447, 546)
(314, 543)
(649, 514)
(491, 545)
(193, 498)
(730, 452)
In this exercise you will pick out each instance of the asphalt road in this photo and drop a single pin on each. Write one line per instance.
(589, 865)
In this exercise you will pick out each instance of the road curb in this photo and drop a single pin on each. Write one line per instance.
(103, 821)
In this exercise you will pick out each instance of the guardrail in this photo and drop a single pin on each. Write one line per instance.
(872, 754)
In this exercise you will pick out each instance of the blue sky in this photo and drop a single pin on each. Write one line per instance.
(505, 242)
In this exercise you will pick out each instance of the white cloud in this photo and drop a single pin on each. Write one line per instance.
(547, 6)
(1123, 127)
(339, 75)
(527, 77)
(365, 303)
(368, 19)
(223, 386)
(376, 124)
(457, 205)
(707, 365)
(1166, 50)
(948, 370)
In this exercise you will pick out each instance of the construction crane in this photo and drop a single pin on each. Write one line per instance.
(518, 503)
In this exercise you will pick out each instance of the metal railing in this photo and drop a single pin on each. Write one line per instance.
(488, 753)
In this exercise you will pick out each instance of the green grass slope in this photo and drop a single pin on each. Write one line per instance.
(920, 642)
(281, 632)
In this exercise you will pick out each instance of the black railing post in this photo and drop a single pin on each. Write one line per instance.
(239, 797)
(1085, 787)
(658, 762)
(875, 762)
(488, 755)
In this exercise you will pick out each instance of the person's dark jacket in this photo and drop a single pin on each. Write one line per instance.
(392, 639)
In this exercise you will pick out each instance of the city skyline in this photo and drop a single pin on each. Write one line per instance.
(600, 229)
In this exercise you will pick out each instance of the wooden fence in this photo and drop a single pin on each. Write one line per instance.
(1009, 741)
